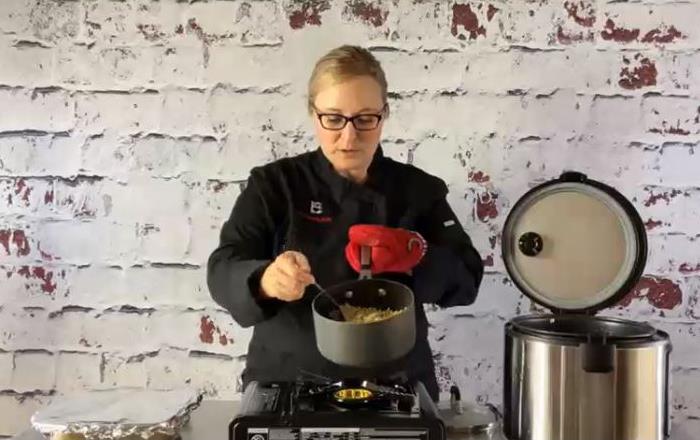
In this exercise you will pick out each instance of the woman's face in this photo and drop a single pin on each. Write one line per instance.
(350, 150)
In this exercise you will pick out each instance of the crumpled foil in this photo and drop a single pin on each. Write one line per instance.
(118, 413)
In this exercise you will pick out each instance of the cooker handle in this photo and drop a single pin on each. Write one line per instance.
(598, 356)
(573, 176)
(667, 391)
(456, 400)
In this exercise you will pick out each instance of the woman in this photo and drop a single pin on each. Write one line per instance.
(290, 226)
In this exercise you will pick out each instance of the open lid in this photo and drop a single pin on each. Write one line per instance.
(574, 244)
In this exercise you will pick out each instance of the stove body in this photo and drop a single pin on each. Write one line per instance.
(343, 410)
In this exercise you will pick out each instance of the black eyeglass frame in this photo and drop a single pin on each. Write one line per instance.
(351, 119)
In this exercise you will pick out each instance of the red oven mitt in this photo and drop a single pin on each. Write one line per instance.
(393, 249)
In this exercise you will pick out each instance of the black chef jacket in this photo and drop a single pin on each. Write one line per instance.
(302, 204)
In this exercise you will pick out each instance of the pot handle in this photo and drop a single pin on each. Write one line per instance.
(365, 262)
(598, 356)
(456, 400)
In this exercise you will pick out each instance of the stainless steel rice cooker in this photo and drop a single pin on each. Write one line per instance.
(576, 246)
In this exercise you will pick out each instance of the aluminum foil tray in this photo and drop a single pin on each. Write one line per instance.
(117, 414)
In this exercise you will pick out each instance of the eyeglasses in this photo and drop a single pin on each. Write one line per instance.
(361, 122)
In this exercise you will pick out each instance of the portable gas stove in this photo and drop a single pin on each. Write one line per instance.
(344, 410)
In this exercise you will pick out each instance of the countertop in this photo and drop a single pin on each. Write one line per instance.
(210, 422)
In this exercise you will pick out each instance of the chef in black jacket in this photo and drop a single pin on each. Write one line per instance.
(289, 228)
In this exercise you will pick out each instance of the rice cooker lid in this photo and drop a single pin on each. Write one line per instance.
(574, 244)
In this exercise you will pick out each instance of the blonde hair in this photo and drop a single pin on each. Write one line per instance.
(343, 63)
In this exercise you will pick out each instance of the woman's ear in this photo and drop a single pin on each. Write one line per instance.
(386, 110)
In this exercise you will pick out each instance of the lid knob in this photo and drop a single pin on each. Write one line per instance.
(530, 244)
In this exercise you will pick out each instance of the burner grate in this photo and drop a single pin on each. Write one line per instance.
(355, 394)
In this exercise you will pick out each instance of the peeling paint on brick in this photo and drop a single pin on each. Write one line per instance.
(204, 38)
(146, 229)
(665, 196)
(666, 128)
(5, 239)
(103, 366)
(677, 130)
(663, 35)
(151, 32)
(39, 273)
(586, 17)
(659, 35)
(193, 25)
(184, 266)
(687, 268)
(307, 12)
(642, 75)
(493, 240)
(618, 34)
(486, 208)
(23, 190)
(48, 197)
(569, 38)
(206, 330)
(207, 354)
(651, 224)
(17, 238)
(70, 309)
(488, 261)
(23, 396)
(368, 11)
(127, 308)
(216, 185)
(462, 15)
(491, 12)
(45, 255)
(141, 357)
(478, 177)
(243, 12)
(223, 340)
(662, 293)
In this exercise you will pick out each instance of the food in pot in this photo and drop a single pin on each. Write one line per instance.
(367, 315)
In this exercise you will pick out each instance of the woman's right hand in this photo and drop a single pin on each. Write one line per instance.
(287, 277)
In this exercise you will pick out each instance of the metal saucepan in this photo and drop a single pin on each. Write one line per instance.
(365, 344)
(468, 420)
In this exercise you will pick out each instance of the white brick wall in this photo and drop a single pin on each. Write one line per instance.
(128, 128)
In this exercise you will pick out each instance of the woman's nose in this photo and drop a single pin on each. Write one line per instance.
(349, 132)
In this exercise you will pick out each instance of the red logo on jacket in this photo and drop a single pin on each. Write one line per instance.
(315, 211)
